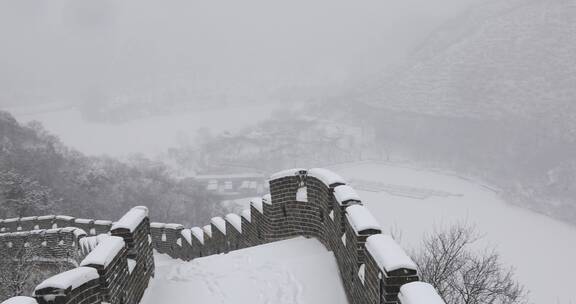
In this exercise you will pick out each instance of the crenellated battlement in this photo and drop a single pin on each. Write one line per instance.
(115, 267)
(311, 203)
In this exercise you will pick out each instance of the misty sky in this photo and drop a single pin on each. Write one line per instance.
(82, 50)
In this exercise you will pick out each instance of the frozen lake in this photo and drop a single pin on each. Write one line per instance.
(415, 201)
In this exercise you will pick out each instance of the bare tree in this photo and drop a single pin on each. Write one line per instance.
(463, 275)
(26, 266)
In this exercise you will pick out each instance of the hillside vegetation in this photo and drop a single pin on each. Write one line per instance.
(40, 175)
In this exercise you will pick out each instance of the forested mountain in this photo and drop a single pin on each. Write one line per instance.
(40, 175)
(490, 94)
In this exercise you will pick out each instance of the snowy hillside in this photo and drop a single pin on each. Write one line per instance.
(508, 58)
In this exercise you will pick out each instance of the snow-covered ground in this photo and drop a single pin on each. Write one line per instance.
(296, 271)
(415, 201)
(149, 136)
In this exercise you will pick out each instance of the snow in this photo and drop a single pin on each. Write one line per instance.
(326, 176)
(72, 278)
(103, 222)
(247, 215)
(479, 206)
(419, 293)
(286, 173)
(198, 233)
(64, 217)
(131, 265)
(187, 235)
(157, 225)
(302, 195)
(388, 254)
(344, 193)
(28, 218)
(361, 219)
(219, 223)
(208, 230)
(20, 300)
(295, 271)
(235, 221)
(173, 226)
(46, 217)
(83, 221)
(257, 203)
(267, 199)
(105, 252)
(131, 219)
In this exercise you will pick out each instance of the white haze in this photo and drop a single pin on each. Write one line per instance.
(83, 51)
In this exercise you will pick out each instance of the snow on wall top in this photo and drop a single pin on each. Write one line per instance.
(388, 254)
(173, 226)
(198, 233)
(64, 217)
(83, 221)
(419, 293)
(157, 225)
(344, 193)
(235, 221)
(187, 235)
(208, 230)
(267, 199)
(72, 278)
(20, 300)
(361, 219)
(28, 218)
(105, 252)
(326, 176)
(131, 219)
(103, 222)
(286, 173)
(257, 203)
(46, 217)
(219, 223)
(247, 215)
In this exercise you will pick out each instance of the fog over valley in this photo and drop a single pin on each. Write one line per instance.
(454, 121)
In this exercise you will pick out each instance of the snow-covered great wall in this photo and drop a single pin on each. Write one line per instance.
(115, 263)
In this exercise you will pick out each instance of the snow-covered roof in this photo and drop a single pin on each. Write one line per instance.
(219, 223)
(198, 233)
(208, 230)
(247, 215)
(344, 193)
(419, 293)
(12, 220)
(285, 173)
(257, 203)
(187, 235)
(72, 278)
(235, 221)
(173, 226)
(131, 219)
(326, 176)
(361, 219)
(388, 254)
(105, 252)
(28, 218)
(20, 300)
